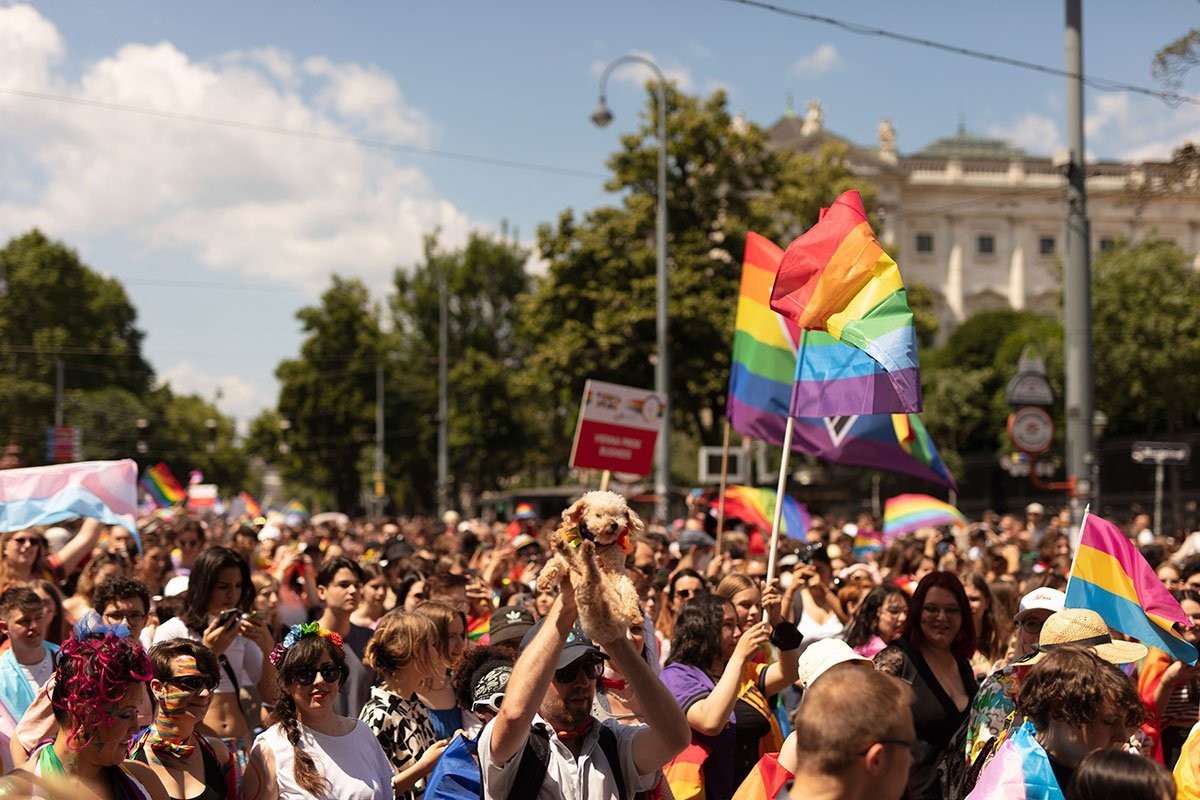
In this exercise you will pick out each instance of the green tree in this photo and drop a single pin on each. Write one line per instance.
(328, 392)
(594, 314)
(1146, 338)
(53, 307)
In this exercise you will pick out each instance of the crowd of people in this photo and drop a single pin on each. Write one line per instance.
(415, 658)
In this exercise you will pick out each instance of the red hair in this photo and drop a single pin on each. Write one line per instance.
(964, 644)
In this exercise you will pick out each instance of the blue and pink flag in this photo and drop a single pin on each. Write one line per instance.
(1111, 577)
(1020, 770)
(102, 490)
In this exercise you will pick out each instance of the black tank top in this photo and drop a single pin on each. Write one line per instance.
(214, 777)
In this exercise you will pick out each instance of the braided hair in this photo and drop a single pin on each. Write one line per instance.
(305, 653)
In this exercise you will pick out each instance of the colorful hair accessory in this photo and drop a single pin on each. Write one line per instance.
(298, 632)
(92, 624)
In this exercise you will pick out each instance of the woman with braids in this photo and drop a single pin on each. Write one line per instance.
(403, 652)
(187, 763)
(311, 752)
(98, 686)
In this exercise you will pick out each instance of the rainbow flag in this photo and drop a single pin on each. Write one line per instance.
(765, 345)
(252, 506)
(478, 627)
(1111, 577)
(765, 781)
(836, 280)
(867, 543)
(161, 485)
(757, 507)
(906, 513)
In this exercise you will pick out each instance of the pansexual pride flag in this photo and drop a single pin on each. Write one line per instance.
(1113, 579)
(906, 513)
(836, 280)
(161, 485)
(765, 345)
(757, 507)
(102, 490)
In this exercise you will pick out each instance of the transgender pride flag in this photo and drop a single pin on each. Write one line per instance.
(102, 490)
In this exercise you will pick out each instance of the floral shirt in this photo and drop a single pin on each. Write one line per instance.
(403, 729)
(995, 709)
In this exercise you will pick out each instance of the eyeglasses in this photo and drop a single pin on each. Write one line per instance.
(1032, 625)
(918, 748)
(948, 611)
(329, 672)
(491, 704)
(192, 683)
(568, 674)
(128, 617)
(894, 612)
(646, 569)
(22, 541)
(686, 594)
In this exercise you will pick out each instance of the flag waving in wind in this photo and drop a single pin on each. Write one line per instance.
(836, 282)
(102, 490)
(1113, 579)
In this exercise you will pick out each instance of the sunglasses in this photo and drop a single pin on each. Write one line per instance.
(568, 674)
(491, 704)
(686, 594)
(917, 747)
(192, 683)
(21, 541)
(328, 672)
(649, 570)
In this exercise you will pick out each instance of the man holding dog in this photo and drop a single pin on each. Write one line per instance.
(545, 743)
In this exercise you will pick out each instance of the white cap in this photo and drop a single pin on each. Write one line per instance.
(1035, 508)
(56, 537)
(270, 533)
(1043, 599)
(823, 654)
(177, 585)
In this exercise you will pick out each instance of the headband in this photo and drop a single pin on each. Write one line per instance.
(298, 632)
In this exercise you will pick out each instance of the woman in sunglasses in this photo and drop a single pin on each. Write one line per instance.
(403, 652)
(311, 751)
(683, 586)
(25, 556)
(189, 764)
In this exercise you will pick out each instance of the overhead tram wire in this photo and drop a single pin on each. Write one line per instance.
(341, 138)
(1173, 99)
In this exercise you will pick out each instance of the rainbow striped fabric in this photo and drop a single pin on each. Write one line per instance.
(756, 507)
(765, 346)
(1111, 577)
(161, 485)
(836, 280)
(906, 513)
(252, 506)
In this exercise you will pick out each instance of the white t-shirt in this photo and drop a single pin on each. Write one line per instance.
(354, 764)
(589, 778)
(37, 674)
(244, 655)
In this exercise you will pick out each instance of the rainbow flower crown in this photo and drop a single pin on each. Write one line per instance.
(298, 632)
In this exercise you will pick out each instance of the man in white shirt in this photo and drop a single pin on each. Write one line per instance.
(545, 744)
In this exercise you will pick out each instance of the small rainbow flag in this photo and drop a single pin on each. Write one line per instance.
(836, 281)
(478, 627)
(252, 506)
(756, 507)
(161, 485)
(867, 543)
(906, 513)
(1111, 577)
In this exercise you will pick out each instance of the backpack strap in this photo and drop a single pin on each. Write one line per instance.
(608, 745)
(535, 760)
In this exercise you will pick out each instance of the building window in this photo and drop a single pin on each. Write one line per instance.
(986, 245)
(1106, 244)
(1046, 246)
(924, 242)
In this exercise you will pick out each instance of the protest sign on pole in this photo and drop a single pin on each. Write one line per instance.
(617, 429)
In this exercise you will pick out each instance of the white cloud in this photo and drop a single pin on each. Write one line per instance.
(239, 398)
(818, 62)
(1037, 134)
(639, 74)
(247, 202)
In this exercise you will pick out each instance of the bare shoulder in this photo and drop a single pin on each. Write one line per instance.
(220, 751)
(143, 774)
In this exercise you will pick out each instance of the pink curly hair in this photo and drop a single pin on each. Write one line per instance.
(92, 677)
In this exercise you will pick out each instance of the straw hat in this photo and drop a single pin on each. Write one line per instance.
(1082, 627)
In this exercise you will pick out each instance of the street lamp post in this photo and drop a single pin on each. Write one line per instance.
(603, 116)
(1099, 423)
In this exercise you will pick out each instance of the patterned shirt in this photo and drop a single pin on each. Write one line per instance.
(403, 729)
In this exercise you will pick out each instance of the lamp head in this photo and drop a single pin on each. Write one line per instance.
(601, 116)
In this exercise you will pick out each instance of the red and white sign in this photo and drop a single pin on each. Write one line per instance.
(618, 427)
(1031, 429)
(201, 496)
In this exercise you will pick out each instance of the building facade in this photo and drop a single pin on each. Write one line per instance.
(982, 223)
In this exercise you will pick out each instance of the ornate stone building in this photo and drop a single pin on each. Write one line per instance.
(982, 223)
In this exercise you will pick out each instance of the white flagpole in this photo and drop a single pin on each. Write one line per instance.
(779, 490)
(1075, 545)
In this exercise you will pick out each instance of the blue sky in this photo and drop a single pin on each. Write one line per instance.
(221, 234)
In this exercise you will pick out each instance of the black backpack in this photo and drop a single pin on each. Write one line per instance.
(535, 760)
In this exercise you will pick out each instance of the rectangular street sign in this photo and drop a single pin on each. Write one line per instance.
(1161, 452)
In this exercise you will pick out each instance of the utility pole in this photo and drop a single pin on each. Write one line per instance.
(379, 493)
(1077, 277)
(443, 453)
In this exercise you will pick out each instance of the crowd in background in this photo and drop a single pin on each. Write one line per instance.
(216, 659)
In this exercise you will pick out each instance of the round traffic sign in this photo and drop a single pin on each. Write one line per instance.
(1031, 429)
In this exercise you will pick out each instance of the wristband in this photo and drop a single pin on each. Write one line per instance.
(786, 636)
